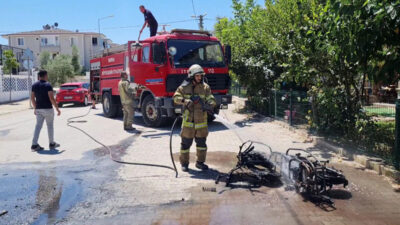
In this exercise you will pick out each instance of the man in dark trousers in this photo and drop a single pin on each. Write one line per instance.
(149, 20)
(42, 98)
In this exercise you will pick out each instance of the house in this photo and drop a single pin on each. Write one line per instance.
(58, 41)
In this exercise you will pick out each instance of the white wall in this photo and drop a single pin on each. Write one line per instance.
(16, 87)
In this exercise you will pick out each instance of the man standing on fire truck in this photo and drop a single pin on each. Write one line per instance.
(149, 20)
(127, 95)
(197, 99)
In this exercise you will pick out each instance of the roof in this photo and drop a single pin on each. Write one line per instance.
(51, 31)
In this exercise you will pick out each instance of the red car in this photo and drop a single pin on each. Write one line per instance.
(77, 93)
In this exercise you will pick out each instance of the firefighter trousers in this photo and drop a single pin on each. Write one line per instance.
(201, 149)
(129, 112)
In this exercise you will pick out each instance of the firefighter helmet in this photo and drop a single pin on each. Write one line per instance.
(195, 69)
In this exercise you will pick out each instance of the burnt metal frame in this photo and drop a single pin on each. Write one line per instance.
(243, 162)
(318, 177)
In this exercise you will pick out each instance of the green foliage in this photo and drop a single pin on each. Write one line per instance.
(59, 69)
(44, 59)
(75, 60)
(331, 47)
(10, 62)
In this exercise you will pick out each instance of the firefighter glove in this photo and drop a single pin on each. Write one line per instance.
(208, 108)
(188, 103)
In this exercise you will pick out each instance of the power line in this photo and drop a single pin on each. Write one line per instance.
(194, 11)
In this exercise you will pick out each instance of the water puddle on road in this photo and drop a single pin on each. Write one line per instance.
(43, 196)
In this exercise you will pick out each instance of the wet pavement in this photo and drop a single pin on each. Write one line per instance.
(82, 185)
(44, 193)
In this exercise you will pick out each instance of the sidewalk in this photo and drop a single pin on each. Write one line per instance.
(13, 107)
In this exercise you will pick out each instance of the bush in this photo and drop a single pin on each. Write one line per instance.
(59, 69)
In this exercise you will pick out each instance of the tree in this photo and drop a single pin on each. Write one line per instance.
(10, 62)
(60, 69)
(44, 59)
(75, 60)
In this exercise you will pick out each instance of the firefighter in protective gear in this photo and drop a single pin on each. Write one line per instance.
(127, 95)
(194, 94)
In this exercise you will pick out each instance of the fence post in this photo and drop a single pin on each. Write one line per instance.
(291, 107)
(396, 151)
(10, 85)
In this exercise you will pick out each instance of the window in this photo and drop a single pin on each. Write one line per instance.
(69, 87)
(204, 53)
(73, 41)
(146, 54)
(20, 41)
(85, 85)
(94, 41)
(134, 54)
(43, 41)
(56, 41)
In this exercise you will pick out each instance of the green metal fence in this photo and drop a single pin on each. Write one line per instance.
(380, 110)
(238, 90)
(290, 106)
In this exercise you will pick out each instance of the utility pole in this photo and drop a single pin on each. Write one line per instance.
(201, 20)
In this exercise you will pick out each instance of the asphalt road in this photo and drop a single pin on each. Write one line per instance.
(79, 184)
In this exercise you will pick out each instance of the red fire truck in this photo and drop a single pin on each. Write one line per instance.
(159, 65)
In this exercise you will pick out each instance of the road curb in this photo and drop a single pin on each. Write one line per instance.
(371, 163)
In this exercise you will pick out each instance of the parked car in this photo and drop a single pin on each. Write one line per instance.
(77, 93)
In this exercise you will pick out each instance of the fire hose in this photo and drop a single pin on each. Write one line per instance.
(71, 120)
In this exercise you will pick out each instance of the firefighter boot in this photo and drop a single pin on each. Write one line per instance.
(184, 159)
(201, 152)
(185, 167)
(201, 165)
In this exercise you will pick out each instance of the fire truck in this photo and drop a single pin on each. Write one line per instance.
(159, 65)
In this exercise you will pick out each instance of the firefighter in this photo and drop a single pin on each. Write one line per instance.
(197, 99)
(127, 95)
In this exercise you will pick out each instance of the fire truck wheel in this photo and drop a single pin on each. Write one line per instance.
(110, 109)
(151, 114)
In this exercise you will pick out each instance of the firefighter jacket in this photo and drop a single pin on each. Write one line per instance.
(194, 119)
(126, 93)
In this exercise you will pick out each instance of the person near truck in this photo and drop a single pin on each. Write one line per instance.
(127, 95)
(149, 21)
(42, 98)
(197, 99)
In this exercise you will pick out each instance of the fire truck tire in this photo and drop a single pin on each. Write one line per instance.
(152, 115)
(110, 109)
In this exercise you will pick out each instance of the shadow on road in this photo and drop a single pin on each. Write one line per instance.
(50, 152)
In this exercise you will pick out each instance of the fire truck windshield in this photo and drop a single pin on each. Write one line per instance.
(189, 52)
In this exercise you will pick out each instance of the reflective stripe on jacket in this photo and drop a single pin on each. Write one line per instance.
(194, 120)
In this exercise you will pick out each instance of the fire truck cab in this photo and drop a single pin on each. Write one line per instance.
(158, 65)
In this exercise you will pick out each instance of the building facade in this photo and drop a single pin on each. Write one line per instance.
(58, 41)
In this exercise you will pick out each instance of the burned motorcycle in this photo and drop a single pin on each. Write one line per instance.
(254, 161)
(312, 177)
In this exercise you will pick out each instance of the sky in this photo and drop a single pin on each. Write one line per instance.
(29, 15)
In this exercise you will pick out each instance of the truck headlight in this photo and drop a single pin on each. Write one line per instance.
(178, 110)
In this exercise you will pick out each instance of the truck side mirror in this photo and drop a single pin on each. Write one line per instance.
(228, 54)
